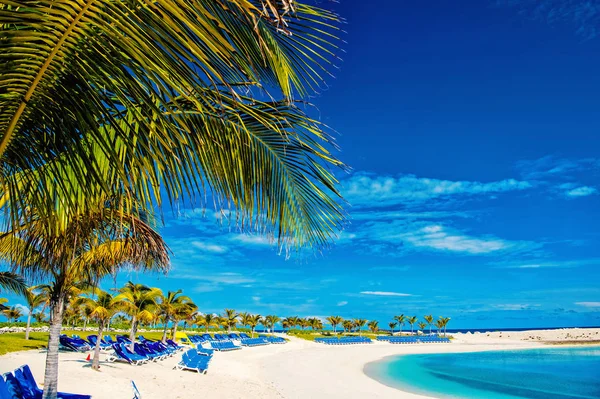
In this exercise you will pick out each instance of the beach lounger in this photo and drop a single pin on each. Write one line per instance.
(109, 339)
(244, 335)
(121, 353)
(190, 360)
(30, 390)
(93, 339)
(123, 339)
(4, 392)
(136, 392)
(76, 345)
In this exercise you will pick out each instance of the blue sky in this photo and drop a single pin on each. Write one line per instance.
(472, 133)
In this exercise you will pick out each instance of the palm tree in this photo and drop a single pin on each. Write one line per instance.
(303, 323)
(39, 317)
(169, 305)
(392, 325)
(154, 122)
(348, 325)
(208, 320)
(13, 313)
(429, 321)
(231, 319)
(254, 321)
(412, 320)
(315, 323)
(103, 307)
(289, 322)
(422, 325)
(444, 323)
(183, 312)
(270, 321)
(34, 300)
(360, 323)
(373, 326)
(82, 249)
(86, 314)
(335, 321)
(244, 317)
(138, 301)
(13, 282)
(439, 324)
(401, 320)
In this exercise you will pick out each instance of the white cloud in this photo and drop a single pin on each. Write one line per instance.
(207, 247)
(384, 293)
(252, 240)
(342, 303)
(546, 264)
(589, 304)
(218, 278)
(256, 298)
(366, 190)
(582, 191)
(514, 306)
(436, 237)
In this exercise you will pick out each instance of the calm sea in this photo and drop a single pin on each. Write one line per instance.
(548, 373)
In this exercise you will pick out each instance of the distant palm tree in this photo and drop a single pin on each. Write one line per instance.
(169, 305)
(439, 324)
(289, 322)
(412, 320)
(208, 320)
(422, 325)
(429, 320)
(34, 300)
(348, 325)
(335, 321)
(444, 322)
(13, 313)
(373, 326)
(253, 321)
(303, 323)
(360, 323)
(231, 318)
(392, 325)
(86, 314)
(270, 322)
(104, 306)
(244, 318)
(138, 301)
(182, 313)
(39, 317)
(401, 320)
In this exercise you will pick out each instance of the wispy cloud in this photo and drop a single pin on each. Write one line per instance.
(582, 191)
(533, 264)
(384, 293)
(593, 305)
(369, 190)
(342, 303)
(207, 247)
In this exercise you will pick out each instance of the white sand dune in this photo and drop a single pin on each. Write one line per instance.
(298, 369)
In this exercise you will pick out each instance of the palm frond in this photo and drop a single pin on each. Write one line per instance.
(13, 282)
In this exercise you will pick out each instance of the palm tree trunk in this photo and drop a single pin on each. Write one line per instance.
(96, 360)
(174, 328)
(252, 332)
(57, 308)
(206, 328)
(133, 331)
(28, 324)
(85, 321)
(164, 337)
(430, 329)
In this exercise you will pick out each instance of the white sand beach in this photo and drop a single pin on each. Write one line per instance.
(298, 369)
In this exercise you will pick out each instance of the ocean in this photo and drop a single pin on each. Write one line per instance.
(547, 373)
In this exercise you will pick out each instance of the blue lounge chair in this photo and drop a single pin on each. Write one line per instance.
(207, 336)
(76, 345)
(190, 360)
(4, 392)
(123, 339)
(136, 392)
(123, 354)
(93, 339)
(109, 339)
(244, 335)
(30, 390)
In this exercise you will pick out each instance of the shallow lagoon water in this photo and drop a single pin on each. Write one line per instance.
(548, 373)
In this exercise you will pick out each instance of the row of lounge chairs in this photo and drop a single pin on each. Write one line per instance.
(20, 384)
(245, 339)
(344, 340)
(223, 346)
(143, 352)
(414, 340)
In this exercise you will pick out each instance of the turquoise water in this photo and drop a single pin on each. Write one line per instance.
(548, 373)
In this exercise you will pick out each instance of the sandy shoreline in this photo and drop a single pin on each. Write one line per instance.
(298, 369)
